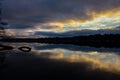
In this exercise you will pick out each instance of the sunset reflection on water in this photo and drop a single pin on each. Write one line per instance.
(101, 59)
(108, 61)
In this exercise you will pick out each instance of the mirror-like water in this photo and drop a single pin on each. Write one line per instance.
(50, 61)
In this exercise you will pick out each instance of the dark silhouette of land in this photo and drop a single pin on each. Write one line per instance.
(4, 47)
(106, 40)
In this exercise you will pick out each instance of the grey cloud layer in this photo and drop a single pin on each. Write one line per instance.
(79, 32)
(41, 11)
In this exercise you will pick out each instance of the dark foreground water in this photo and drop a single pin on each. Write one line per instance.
(59, 62)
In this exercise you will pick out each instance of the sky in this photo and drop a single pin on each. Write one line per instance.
(60, 16)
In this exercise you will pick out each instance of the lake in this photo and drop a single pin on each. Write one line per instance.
(59, 61)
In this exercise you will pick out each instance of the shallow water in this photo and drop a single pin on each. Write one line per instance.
(51, 61)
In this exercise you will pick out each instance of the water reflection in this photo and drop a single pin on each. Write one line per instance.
(103, 59)
(74, 48)
(99, 58)
(2, 58)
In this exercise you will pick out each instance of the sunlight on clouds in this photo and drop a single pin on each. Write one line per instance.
(101, 20)
(18, 32)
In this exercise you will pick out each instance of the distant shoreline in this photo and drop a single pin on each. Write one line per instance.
(111, 40)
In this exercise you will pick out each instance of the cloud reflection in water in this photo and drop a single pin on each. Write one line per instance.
(107, 60)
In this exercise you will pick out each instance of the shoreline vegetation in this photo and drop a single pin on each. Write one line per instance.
(106, 40)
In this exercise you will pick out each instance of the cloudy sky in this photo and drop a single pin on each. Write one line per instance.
(61, 16)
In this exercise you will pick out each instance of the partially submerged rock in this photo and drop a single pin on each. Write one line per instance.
(4, 47)
(25, 49)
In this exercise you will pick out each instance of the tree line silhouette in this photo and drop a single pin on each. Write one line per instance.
(98, 40)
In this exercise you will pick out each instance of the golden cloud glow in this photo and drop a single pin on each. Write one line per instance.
(97, 20)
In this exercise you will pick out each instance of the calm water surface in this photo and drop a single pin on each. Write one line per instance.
(53, 61)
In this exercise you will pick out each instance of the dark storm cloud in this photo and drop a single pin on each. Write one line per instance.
(18, 26)
(40, 11)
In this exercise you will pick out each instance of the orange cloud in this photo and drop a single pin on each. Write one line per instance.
(111, 16)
